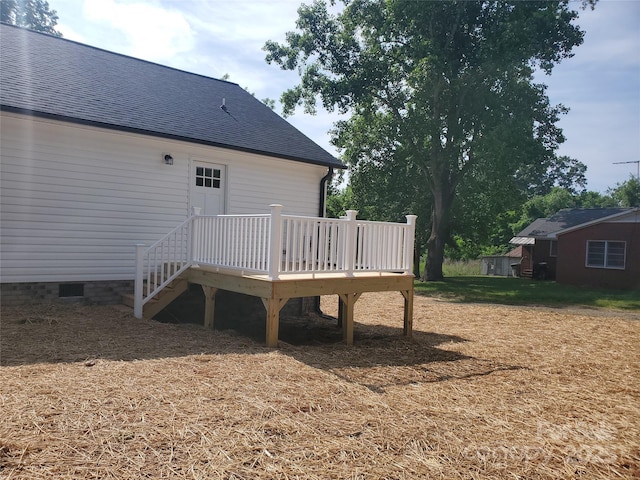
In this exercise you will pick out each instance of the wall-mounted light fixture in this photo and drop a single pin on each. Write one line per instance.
(168, 159)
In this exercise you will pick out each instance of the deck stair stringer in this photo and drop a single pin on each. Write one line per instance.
(162, 299)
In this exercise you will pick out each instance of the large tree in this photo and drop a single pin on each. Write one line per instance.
(32, 14)
(450, 83)
(626, 194)
(384, 185)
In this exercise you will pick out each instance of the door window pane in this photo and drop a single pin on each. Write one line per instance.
(208, 177)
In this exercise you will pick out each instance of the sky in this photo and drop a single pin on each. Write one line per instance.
(600, 84)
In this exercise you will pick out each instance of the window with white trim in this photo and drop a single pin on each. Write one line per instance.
(606, 254)
(208, 177)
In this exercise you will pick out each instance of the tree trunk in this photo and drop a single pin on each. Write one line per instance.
(440, 212)
(417, 253)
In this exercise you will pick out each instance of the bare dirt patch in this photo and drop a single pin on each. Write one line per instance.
(481, 391)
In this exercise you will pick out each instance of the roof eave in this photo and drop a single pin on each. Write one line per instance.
(121, 128)
(592, 222)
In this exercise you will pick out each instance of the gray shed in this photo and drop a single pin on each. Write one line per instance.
(502, 265)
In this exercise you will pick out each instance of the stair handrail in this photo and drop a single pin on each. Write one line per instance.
(162, 267)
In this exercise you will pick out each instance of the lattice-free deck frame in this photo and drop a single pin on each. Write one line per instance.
(275, 293)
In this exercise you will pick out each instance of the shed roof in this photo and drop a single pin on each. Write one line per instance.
(52, 77)
(564, 219)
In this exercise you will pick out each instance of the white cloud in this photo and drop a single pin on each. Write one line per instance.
(69, 33)
(249, 23)
(143, 30)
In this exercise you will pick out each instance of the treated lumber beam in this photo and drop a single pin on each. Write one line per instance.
(233, 283)
(293, 286)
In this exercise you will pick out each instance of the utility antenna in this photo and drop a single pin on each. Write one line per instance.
(637, 162)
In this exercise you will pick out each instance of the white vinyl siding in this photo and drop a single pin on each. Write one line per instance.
(75, 199)
(606, 254)
(254, 185)
(254, 182)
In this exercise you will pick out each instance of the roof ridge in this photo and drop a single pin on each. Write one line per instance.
(586, 209)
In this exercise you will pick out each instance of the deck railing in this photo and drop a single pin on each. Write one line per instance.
(238, 242)
(158, 265)
(273, 244)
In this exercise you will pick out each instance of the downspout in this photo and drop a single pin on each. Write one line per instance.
(323, 192)
(321, 213)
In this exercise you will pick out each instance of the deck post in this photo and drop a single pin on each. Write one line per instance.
(409, 243)
(348, 301)
(273, 307)
(138, 281)
(275, 241)
(408, 312)
(209, 305)
(350, 242)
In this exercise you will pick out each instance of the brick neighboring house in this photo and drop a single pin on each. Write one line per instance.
(597, 247)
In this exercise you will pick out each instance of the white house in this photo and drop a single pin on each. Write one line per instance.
(100, 151)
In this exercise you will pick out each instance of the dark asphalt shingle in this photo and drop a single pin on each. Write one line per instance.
(53, 77)
(567, 218)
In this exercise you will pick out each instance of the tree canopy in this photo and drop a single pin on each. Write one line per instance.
(626, 194)
(32, 14)
(441, 95)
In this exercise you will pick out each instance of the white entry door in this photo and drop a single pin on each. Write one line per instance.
(208, 187)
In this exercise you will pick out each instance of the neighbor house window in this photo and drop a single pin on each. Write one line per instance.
(553, 248)
(606, 254)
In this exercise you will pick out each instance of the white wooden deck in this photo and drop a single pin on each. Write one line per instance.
(277, 257)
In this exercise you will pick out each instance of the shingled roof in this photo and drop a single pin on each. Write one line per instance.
(51, 77)
(564, 219)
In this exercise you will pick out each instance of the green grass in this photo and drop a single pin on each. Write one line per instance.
(456, 268)
(518, 291)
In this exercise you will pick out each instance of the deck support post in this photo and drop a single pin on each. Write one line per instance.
(347, 301)
(209, 305)
(408, 312)
(273, 307)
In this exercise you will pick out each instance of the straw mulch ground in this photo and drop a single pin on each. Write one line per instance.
(482, 391)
